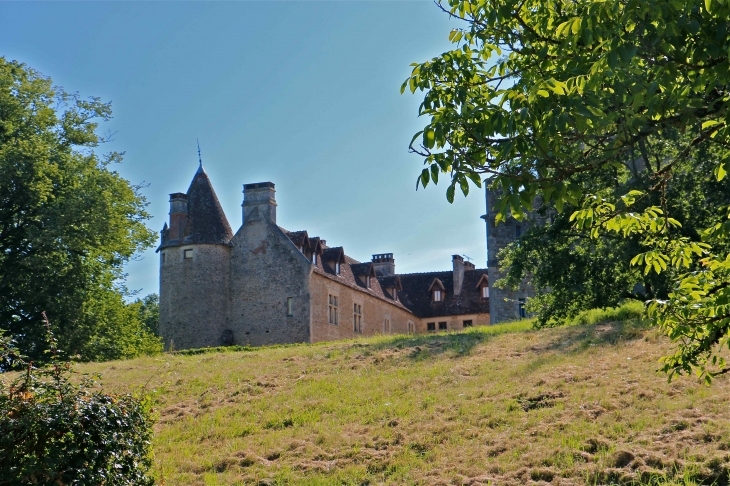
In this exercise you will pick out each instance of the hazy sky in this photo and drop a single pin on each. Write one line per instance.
(304, 94)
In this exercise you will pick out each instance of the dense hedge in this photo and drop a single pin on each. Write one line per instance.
(56, 431)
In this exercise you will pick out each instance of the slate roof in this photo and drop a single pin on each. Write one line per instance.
(416, 295)
(206, 223)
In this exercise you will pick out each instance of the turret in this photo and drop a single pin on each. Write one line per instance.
(194, 268)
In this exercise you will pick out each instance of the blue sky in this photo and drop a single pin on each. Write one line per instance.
(303, 94)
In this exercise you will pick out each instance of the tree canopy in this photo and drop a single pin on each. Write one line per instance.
(543, 96)
(68, 223)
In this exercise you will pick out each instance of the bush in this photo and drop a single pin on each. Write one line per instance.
(54, 431)
(628, 310)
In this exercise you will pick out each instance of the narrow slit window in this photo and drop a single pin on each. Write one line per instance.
(521, 309)
(337, 268)
(290, 306)
(163, 257)
(314, 259)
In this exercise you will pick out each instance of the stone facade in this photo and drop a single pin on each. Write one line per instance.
(267, 285)
(505, 305)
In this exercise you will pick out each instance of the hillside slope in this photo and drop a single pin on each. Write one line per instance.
(498, 405)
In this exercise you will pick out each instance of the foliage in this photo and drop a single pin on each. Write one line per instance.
(68, 222)
(538, 94)
(583, 272)
(55, 431)
(148, 309)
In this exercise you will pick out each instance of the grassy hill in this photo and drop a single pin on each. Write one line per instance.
(498, 405)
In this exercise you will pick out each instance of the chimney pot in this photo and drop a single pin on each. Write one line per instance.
(384, 264)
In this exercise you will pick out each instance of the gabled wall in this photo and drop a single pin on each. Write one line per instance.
(266, 268)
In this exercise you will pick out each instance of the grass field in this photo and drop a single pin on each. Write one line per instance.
(499, 405)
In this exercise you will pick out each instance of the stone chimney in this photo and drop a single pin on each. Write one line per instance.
(178, 215)
(469, 266)
(259, 202)
(458, 273)
(384, 264)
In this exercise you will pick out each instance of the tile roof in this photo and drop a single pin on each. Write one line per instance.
(416, 294)
(206, 223)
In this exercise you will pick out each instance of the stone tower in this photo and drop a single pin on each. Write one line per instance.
(194, 268)
(504, 305)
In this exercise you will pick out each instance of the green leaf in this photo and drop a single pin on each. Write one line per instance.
(450, 193)
(429, 138)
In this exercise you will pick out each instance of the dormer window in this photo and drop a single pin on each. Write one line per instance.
(394, 293)
(367, 281)
(337, 268)
(438, 296)
(485, 292)
(314, 259)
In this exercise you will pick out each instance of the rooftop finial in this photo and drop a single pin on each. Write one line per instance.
(200, 160)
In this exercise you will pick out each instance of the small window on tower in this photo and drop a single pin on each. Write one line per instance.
(163, 257)
(521, 308)
(290, 306)
(188, 254)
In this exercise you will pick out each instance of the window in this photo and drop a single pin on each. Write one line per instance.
(162, 257)
(337, 268)
(314, 259)
(522, 311)
(411, 327)
(333, 317)
(367, 281)
(430, 326)
(357, 317)
(290, 306)
(386, 326)
(442, 326)
(485, 292)
(188, 254)
(467, 323)
(438, 295)
(395, 293)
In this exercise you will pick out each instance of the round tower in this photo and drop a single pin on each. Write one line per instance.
(194, 269)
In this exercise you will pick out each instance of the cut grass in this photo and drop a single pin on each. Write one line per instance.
(493, 405)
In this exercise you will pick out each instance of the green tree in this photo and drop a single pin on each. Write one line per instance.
(583, 272)
(540, 95)
(68, 223)
(148, 309)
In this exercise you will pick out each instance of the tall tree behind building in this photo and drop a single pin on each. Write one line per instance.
(68, 223)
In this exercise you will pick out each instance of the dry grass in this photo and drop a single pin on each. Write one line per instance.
(501, 405)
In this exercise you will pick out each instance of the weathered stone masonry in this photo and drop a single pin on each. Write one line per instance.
(267, 285)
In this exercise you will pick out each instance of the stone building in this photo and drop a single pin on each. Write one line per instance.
(505, 305)
(267, 285)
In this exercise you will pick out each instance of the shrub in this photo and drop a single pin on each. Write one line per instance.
(56, 431)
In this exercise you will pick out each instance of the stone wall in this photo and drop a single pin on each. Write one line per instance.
(266, 270)
(193, 300)
(374, 312)
(504, 305)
